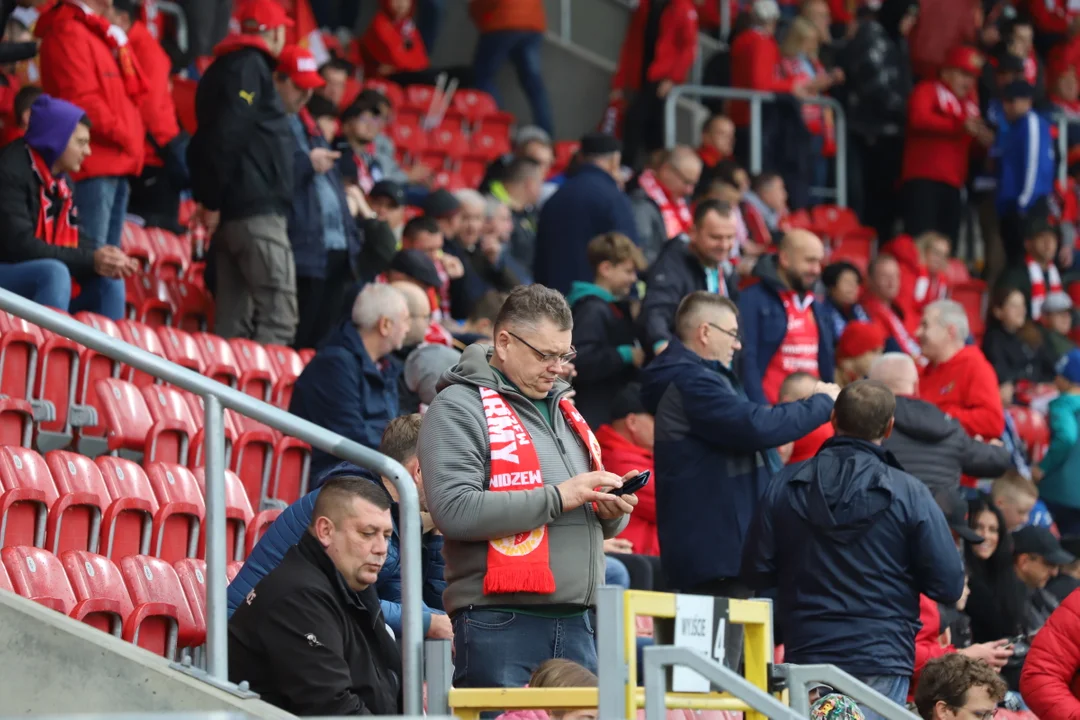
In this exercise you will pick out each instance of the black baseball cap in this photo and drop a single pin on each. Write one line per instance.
(390, 190)
(416, 265)
(368, 101)
(1034, 540)
(628, 402)
(441, 203)
(955, 507)
(1018, 89)
(1009, 63)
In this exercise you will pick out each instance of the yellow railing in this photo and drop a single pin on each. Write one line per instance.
(754, 616)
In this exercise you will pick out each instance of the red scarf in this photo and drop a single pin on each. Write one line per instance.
(309, 123)
(1039, 280)
(899, 333)
(1031, 68)
(521, 563)
(949, 104)
(125, 59)
(363, 174)
(438, 335)
(56, 214)
(709, 155)
(676, 213)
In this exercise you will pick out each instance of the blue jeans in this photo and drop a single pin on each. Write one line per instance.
(102, 204)
(523, 49)
(429, 20)
(615, 573)
(498, 648)
(48, 282)
(894, 687)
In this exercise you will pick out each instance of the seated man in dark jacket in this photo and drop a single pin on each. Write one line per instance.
(684, 267)
(851, 540)
(42, 249)
(310, 638)
(926, 442)
(348, 387)
(398, 443)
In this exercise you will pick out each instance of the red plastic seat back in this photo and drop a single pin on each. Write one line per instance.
(256, 371)
(75, 518)
(102, 598)
(57, 377)
(218, 358)
(180, 514)
(38, 575)
(27, 494)
(143, 336)
(157, 597)
(973, 297)
(180, 348)
(238, 513)
(125, 413)
(128, 524)
(192, 575)
(94, 366)
(19, 342)
(474, 104)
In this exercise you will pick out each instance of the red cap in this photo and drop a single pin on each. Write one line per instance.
(299, 64)
(965, 59)
(860, 338)
(259, 15)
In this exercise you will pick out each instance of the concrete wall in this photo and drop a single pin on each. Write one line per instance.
(51, 664)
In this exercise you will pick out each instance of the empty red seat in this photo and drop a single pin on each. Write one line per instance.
(291, 469)
(148, 300)
(434, 160)
(447, 180)
(56, 381)
(238, 514)
(449, 140)
(26, 494)
(179, 347)
(192, 576)
(142, 336)
(474, 104)
(180, 514)
(171, 255)
(175, 427)
(564, 153)
(16, 421)
(287, 366)
(128, 524)
(833, 220)
(419, 97)
(407, 134)
(133, 428)
(94, 366)
(231, 571)
(101, 598)
(136, 244)
(972, 295)
(194, 305)
(82, 499)
(253, 456)
(472, 171)
(37, 574)
(256, 370)
(198, 445)
(957, 271)
(489, 143)
(160, 619)
(18, 356)
(218, 358)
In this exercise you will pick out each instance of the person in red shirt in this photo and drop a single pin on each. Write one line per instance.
(943, 119)
(657, 55)
(958, 378)
(879, 300)
(800, 386)
(1054, 19)
(88, 62)
(627, 443)
(717, 141)
(923, 264)
(155, 195)
(391, 44)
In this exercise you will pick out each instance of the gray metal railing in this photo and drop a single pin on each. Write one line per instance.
(216, 396)
(178, 14)
(801, 678)
(757, 98)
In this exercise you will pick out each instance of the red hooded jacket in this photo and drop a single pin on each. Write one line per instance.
(676, 46)
(1052, 17)
(78, 66)
(620, 457)
(755, 65)
(927, 644)
(966, 387)
(156, 108)
(938, 146)
(1050, 680)
(392, 42)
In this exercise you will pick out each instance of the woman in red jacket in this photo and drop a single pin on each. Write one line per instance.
(391, 44)
(799, 62)
(1050, 681)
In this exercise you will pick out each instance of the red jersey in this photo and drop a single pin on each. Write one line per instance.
(799, 350)
(938, 146)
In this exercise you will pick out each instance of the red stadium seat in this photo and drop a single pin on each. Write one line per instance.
(26, 494)
(180, 514)
(407, 134)
(16, 421)
(136, 244)
(256, 370)
(972, 295)
(128, 524)
(172, 254)
(1074, 291)
(498, 123)
(194, 306)
(419, 97)
(489, 143)
(257, 529)
(94, 366)
(434, 160)
(474, 104)
(472, 171)
(856, 247)
(198, 413)
(238, 514)
(564, 153)
(169, 408)
(38, 575)
(132, 427)
(287, 367)
(148, 300)
(306, 355)
(101, 598)
(141, 336)
(448, 180)
(218, 358)
(82, 498)
(291, 469)
(389, 88)
(18, 356)
(957, 271)
(231, 570)
(253, 456)
(161, 619)
(5, 581)
(192, 575)
(448, 139)
(833, 220)
(56, 381)
(179, 347)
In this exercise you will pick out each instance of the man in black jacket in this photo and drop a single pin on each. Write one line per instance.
(684, 267)
(928, 443)
(42, 248)
(311, 638)
(241, 162)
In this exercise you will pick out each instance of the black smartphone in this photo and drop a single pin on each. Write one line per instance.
(633, 484)
(1016, 640)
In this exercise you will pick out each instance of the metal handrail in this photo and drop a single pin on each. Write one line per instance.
(800, 678)
(215, 396)
(174, 9)
(756, 98)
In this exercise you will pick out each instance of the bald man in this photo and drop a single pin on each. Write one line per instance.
(659, 200)
(928, 443)
(784, 329)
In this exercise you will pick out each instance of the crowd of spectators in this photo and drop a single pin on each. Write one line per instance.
(830, 428)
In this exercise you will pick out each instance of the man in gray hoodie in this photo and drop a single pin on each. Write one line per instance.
(513, 480)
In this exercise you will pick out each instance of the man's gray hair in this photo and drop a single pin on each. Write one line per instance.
(529, 305)
(951, 314)
(472, 198)
(375, 302)
(492, 206)
(531, 134)
(765, 11)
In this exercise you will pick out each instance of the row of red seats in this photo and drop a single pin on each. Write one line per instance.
(474, 108)
(160, 252)
(158, 606)
(111, 505)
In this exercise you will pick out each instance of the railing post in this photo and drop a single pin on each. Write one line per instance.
(755, 135)
(217, 649)
(564, 20)
(725, 20)
(670, 103)
(439, 672)
(412, 617)
(1063, 150)
(841, 153)
(611, 653)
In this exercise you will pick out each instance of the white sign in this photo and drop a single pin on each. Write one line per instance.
(700, 622)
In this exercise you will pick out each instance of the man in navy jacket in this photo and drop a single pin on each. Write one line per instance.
(784, 329)
(589, 203)
(851, 540)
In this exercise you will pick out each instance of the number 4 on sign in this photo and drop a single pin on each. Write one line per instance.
(718, 641)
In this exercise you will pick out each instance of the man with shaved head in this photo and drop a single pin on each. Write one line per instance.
(659, 200)
(928, 443)
(784, 329)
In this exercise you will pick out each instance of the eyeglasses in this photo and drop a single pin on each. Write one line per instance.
(733, 334)
(547, 358)
(979, 715)
(679, 174)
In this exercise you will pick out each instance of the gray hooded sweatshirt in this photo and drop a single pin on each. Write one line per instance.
(455, 458)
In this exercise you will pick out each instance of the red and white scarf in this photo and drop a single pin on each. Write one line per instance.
(949, 104)
(56, 224)
(897, 330)
(676, 213)
(521, 563)
(1039, 281)
(117, 41)
(363, 173)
